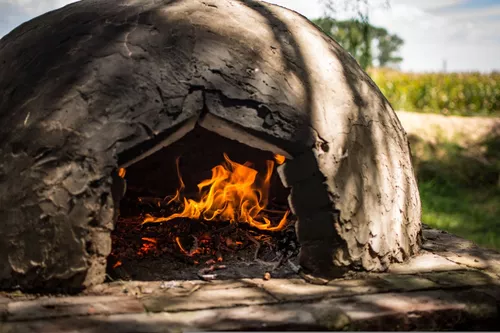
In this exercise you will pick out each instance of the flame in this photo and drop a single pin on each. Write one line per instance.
(152, 240)
(234, 193)
(122, 172)
(189, 253)
(148, 246)
(280, 159)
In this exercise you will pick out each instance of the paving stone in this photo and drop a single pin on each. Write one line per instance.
(465, 278)
(424, 310)
(429, 310)
(3, 311)
(72, 306)
(439, 240)
(209, 298)
(467, 259)
(491, 290)
(296, 289)
(426, 262)
(408, 282)
(296, 316)
(461, 251)
(288, 315)
(367, 285)
(225, 284)
(132, 323)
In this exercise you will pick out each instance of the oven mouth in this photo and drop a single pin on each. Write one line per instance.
(203, 206)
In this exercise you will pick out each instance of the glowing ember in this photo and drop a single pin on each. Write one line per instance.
(234, 194)
(122, 172)
(190, 253)
(280, 159)
(148, 246)
(117, 264)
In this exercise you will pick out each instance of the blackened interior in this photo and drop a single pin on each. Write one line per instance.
(155, 177)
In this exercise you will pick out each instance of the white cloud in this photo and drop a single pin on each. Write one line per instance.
(461, 38)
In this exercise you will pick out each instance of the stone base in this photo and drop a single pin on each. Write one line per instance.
(452, 285)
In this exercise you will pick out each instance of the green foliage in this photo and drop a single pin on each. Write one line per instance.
(465, 94)
(388, 46)
(359, 38)
(469, 213)
(459, 193)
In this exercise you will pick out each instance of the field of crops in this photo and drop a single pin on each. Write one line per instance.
(465, 94)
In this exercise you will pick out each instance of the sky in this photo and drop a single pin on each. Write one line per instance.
(464, 34)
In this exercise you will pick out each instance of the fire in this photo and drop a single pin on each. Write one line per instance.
(189, 253)
(148, 246)
(122, 172)
(234, 194)
(280, 159)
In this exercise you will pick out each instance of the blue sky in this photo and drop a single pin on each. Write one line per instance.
(464, 33)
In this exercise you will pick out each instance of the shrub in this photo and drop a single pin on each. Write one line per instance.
(465, 94)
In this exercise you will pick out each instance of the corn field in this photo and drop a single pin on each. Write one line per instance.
(466, 94)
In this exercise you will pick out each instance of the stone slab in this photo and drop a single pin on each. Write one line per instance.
(72, 306)
(423, 310)
(492, 291)
(242, 308)
(425, 262)
(461, 251)
(268, 317)
(298, 289)
(208, 298)
(465, 278)
(405, 282)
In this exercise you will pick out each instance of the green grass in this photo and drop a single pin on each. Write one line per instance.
(460, 192)
(470, 213)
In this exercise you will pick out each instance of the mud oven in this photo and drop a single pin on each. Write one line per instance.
(172, 134)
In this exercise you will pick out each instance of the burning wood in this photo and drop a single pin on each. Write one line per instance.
(234, 194)
(233, 219)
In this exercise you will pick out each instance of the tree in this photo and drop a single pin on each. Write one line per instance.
(388, 45)
(361, 38)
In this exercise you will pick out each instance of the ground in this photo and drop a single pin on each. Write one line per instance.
(450, 285)
(457, 160)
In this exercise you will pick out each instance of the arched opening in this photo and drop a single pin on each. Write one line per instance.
(202, 205)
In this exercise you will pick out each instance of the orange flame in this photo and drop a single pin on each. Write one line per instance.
(280, 159)
(122, 172)
(148, 246)
(232, 194)
(189, 253)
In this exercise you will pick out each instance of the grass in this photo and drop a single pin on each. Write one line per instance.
(470, 213)
(459, 188)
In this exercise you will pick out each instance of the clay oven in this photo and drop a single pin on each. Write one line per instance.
(93, 89)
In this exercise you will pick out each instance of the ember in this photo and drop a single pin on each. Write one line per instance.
(148, 246)
(230, 219)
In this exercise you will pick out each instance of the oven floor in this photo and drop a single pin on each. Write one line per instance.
(150, 253)
(451, 285)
